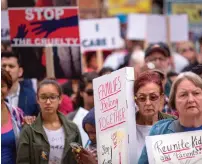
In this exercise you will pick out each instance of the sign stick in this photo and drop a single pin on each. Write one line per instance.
(168, 39)
(50, 72)
(100, 59)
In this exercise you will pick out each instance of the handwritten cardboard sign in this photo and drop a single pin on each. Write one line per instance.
(100, 34)
(54, 26)
(115, 117)
(5, 29)
(182, 148)
(154, 28)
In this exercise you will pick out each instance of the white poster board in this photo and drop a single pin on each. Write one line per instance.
(179, 27)
(153, 28)
(115, 117)
(100, 34)
(137, 31)
(5, 28)
(182, 148)
(156, 29)
(78, 120)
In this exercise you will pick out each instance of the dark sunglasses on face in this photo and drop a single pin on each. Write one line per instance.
(187, 49)
(143, 98)
(89, 92)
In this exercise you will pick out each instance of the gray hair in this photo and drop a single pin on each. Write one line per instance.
(192, 77)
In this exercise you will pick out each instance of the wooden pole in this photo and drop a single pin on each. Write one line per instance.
(50, 72)
(169, 41)
(100, 59)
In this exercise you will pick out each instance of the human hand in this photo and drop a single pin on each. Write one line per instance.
(85, 157)
(47, 26)
(22, 32)
(50, 26)
(28, 120)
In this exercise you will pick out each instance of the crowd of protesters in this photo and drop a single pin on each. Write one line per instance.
(40, 119)
(39, 124)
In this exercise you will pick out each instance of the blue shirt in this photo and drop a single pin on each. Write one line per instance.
(191, 129)
(8, 148)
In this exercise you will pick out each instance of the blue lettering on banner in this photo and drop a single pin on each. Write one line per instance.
(5, 33)
(95, 42)
(97, 27)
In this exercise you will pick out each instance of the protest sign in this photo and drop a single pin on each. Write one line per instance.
(129, 6)
(115, 117)
(54, 26)
(5, 29)
(193, 8)
(179, 22)
(78, 120)
(100, 34)
(182, 148)
(137, 31)
(155, 28)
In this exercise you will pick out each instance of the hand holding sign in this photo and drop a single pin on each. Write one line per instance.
(50, 26)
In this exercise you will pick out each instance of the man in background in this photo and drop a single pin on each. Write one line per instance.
(20, 95)
(159, 55)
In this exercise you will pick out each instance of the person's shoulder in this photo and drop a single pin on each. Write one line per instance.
(162, 127)
(27, 90)
(71, 125)
(168, 116)
(71, 115)
(26, 129)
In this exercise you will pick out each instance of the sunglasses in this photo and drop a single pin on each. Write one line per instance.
(143, 98)
(89, 92)
(187, 49)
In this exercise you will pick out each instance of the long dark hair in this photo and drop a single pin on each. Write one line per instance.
(83, 82)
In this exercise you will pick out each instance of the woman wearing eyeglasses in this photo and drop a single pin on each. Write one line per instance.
(47, 139)
(149, 97)
(186, 98)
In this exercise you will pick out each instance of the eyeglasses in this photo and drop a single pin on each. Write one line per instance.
(187, 49)
(89, 92)
(143, 98)
(52, 98)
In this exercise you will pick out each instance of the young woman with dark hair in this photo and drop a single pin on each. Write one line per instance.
(47, 139)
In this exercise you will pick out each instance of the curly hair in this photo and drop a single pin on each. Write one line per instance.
(6, 77)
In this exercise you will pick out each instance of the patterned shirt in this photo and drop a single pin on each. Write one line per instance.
(168, 110)
(17, 119)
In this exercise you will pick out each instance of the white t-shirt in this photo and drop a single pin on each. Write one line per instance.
(142, 132)
(56, 139)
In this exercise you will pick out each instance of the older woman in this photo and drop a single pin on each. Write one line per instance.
(186, 97)
(149, 97)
